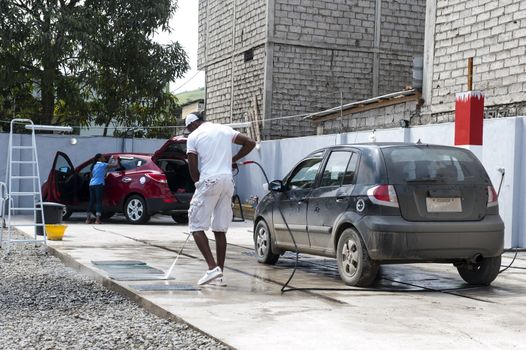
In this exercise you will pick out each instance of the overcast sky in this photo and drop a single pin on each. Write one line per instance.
(184, 30)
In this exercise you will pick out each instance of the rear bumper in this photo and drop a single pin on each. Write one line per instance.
(159, 205)
(393, 239)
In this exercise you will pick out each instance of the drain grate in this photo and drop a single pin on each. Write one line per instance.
(165, 287)
(130, 270)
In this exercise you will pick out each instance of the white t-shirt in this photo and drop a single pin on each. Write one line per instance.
(213, 145)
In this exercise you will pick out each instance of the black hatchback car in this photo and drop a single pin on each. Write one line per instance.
(372, 204)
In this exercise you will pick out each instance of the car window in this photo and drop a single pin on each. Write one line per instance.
(86, 169)
(432, 163)
(335, 169)
(130, 163)
(350, 172)
(304, 174)
(62, 165)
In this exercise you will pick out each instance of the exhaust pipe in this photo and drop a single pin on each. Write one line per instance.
(476, 259)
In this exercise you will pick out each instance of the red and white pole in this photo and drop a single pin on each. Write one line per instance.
(469, 117)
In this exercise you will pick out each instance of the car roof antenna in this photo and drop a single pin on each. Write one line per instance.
(419, 142)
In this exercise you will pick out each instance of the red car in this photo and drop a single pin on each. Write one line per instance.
(142, 186)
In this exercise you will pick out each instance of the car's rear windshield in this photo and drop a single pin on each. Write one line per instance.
(414, 164)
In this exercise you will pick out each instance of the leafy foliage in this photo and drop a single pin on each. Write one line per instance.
(74, 61)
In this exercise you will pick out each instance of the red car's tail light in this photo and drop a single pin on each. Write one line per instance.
(493, 197)
(157, 177)
(383, 195)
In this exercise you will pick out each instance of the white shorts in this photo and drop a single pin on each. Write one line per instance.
(212, 203)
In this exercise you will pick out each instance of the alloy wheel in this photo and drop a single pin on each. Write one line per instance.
(350, 257)
(135, 209)
(262, 241)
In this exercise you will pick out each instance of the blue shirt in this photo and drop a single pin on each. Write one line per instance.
(98, 173)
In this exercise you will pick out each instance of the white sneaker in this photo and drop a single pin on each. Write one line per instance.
(219, 282)
(211, 275)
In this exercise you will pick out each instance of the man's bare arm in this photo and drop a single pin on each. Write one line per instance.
(247, 145)
(192, 165)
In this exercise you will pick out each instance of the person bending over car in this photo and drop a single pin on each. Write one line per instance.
(96, 185)
(209, 149)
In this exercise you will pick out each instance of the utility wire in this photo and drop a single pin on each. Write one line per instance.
(186, 82)
(177, 126)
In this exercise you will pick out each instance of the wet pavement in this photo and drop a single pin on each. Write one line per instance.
(410, 306)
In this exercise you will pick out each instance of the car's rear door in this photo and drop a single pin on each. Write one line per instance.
(331, 198)
(293, 202)
(119, 180)
(437, 183)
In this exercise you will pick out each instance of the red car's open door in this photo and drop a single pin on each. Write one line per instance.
(62, 180)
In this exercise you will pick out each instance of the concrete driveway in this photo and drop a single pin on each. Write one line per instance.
(421, 306)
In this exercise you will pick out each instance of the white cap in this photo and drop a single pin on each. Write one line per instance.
(190, 118)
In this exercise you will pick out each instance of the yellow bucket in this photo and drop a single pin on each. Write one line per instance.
(55, 232)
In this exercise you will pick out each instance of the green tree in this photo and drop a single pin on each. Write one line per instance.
(76, 60)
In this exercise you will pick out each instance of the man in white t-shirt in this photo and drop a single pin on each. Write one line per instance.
(209, 149)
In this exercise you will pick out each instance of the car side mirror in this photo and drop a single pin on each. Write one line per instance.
(276, 186)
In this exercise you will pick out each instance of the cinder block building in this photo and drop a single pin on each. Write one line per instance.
(282, 58)
(493, 32)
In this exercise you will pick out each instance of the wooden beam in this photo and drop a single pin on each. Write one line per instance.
(364, 108)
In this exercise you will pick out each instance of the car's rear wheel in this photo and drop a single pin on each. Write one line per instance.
(263, 244)
(135, 210)
(180, 218)
(481, 273)
(354, 264)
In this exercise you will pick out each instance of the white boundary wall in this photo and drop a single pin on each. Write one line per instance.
(503, 148)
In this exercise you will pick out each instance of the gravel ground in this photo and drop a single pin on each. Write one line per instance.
(45, 305)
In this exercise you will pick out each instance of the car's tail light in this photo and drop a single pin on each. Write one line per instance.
(158, 177)
(493, 197)
(383, 195)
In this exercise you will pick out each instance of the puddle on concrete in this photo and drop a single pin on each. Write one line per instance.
(165, 287)
(130, 270)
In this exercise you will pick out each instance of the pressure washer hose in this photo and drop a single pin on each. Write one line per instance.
(284, 288)
(502, 173)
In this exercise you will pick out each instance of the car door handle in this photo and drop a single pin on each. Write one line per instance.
(302, 200)
(126, 179)
(341, 199)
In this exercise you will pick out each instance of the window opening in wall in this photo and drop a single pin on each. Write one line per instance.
(249, 55)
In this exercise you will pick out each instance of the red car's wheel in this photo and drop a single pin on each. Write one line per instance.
(135, 210)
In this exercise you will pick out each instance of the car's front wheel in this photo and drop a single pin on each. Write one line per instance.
(135, 210)
(482, 273)
(263, 244)
(354, 264)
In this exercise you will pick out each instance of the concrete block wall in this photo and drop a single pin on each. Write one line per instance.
(248, 82)
(402, 25)
(250, 23)
(318, 50)
(395, 71)
(379, 118)
(494, 33)
(307, 80)
(202, 30)
(344, 22)
(222, 57)
(218, 91)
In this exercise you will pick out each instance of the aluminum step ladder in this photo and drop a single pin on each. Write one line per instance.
(26, 177)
